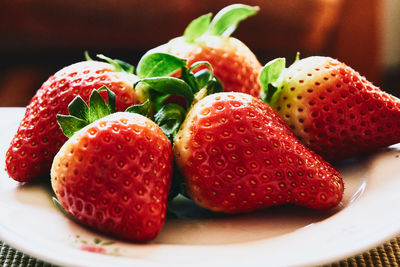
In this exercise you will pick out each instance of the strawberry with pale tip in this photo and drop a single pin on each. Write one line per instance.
(332, 108)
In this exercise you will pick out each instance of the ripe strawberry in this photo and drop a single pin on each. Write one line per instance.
(39, 137)
(115, 173)
(233, 62)
(331, 108)
(238, 155)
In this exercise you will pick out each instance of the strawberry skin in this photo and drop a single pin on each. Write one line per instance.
(334, 110)
(234, 64)
(238, 155)
(39, 137)
(114, 175)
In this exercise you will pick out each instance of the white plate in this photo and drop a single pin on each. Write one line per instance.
(368, 216)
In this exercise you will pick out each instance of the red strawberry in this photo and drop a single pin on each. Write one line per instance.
(331, 108)
(39, 137)
(238, 155)
(114, 174)
(234, 64)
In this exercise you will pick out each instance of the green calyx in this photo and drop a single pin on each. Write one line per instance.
(142, 109)
(160, 89)
(154, 70)
(159, 64)
(224, 23)
(164, 86)
(270, 78)
(119, 65)
(170, 118)
(82, 114)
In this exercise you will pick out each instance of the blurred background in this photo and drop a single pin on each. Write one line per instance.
(39, 37)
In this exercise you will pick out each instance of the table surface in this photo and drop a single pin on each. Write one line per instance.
(387, 254)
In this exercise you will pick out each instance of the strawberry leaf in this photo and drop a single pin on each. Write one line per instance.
(158, 64)
(169, 85)
(97, 107)
(203, 77)
(169, 118)
(227, 19)
(142, 109)
(78, 108)
(81, 114)
(197, 28)
(87, 56)
(190, 79)
(200, 63)
(194, 81)
(297, 58)
(214, 86)
(269, 76)
(159, 100)
(111, 98)
(119, 65)
(126, 67)
(70, 124)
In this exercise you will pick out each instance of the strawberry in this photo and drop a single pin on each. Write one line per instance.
(233, 62)
(113, 174)
(238, 155)
(39, 137)
(332, 109)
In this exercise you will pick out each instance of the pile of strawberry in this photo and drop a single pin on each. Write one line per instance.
(243, 137)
